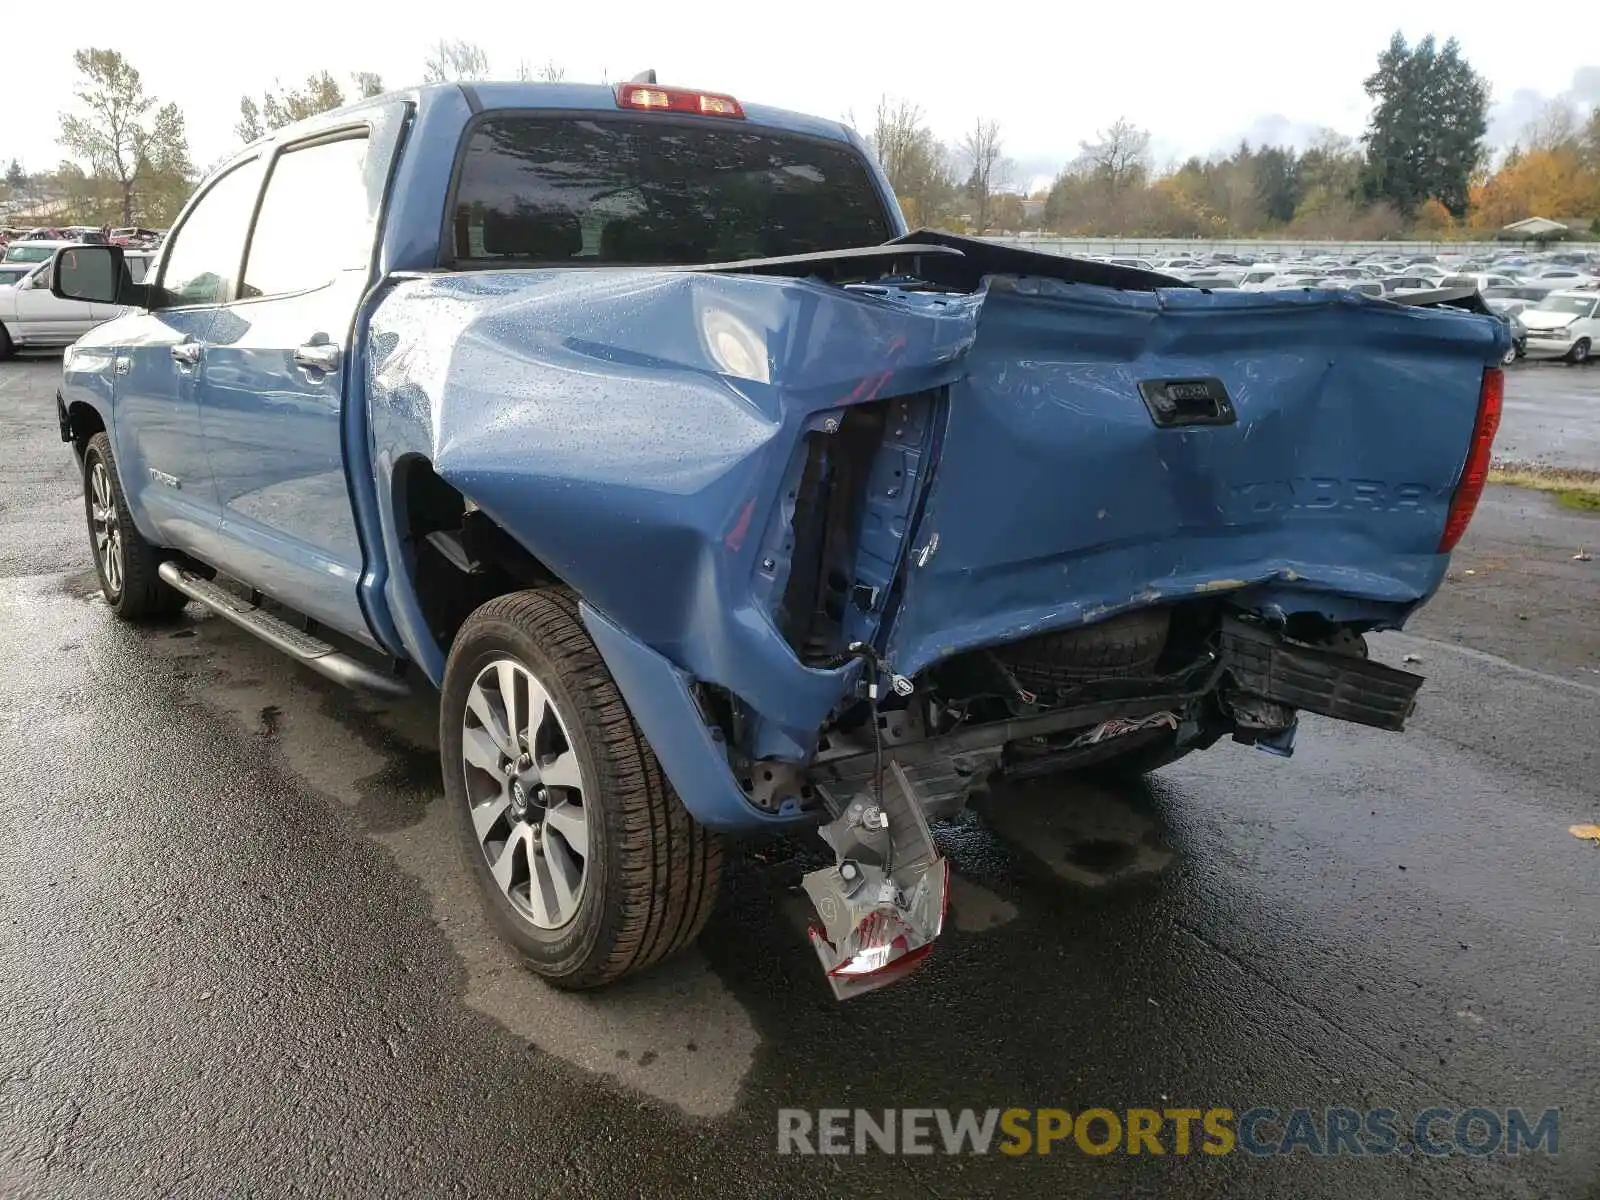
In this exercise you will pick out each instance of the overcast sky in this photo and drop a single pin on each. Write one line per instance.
(1198, 76)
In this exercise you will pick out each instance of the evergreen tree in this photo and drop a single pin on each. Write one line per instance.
(1425, 138)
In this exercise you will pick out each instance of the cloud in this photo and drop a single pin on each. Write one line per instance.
(1274, 129)
(1509, 119)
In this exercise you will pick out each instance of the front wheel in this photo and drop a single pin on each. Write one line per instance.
(585, 857)
(126, 564)
(1579, 352)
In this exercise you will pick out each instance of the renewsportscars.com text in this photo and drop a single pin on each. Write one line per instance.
(1433, 1132)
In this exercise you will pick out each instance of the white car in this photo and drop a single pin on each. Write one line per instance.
(30, 316)
(1563, 325)
(36, 251)
(1482, 280)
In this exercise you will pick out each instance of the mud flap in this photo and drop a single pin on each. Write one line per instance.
(882, 904)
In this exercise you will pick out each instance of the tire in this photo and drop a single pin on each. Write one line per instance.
(6, 348)
(646, 873)
(1579, 352)
(1128, 644)
(1509, 357)
(124, 561)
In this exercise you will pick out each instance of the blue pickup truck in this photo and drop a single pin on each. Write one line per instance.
(713, 501)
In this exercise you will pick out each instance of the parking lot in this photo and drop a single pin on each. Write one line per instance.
(238, 956)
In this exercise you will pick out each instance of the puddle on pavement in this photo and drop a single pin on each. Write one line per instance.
(1087, 833)
(676, 1034)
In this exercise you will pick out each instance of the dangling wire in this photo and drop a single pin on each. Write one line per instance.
(876, 667)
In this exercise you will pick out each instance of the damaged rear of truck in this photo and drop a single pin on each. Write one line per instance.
(716, 503)
(853, 530)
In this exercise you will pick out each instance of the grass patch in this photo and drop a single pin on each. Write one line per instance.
(1574, 489)
(1582, 501)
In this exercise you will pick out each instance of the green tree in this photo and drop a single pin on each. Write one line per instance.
(1425, 138)
(16, 177)
(1277, 183)
(282, 106)
(123, 133)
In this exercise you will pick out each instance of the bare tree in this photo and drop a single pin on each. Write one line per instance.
(914, 160)
(368, 84)
(1120, 156)
(550, 72)
(988, 170)
(455, 59)
(1556, 125)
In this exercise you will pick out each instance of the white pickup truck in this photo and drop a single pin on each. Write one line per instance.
(31, 317)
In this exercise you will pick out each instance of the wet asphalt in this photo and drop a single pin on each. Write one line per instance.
(1552, 415)
(238, 956)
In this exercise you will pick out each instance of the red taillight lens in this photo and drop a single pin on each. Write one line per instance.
(652, 98)
(1476, 472)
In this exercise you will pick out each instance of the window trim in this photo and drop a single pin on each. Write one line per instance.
(158, 285)
(447, 258)
(359, 130)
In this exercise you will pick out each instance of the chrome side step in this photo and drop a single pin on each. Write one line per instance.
(279, 634)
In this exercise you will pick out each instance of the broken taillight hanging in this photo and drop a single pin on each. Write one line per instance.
(1475, 474)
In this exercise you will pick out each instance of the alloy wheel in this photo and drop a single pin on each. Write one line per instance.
(526, 793)
(105, 526)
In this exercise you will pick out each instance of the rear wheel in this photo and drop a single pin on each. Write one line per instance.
(6, 348)
(126, 564)
(585, 857)
(1579, 352)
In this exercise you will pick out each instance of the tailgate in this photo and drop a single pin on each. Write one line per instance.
(1109, 449)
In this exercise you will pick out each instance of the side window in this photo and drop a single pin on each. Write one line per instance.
(314, 223)
(204, 252)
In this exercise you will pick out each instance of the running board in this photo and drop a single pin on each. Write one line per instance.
(279, 634)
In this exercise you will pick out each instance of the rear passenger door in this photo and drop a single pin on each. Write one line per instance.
(276, 362)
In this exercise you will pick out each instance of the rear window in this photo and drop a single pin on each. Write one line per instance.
(601, 192)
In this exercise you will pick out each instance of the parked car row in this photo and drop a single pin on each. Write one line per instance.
(1547, 300)
(26, 241)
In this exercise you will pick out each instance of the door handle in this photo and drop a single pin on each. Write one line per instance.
(186, 354)
(318, 356)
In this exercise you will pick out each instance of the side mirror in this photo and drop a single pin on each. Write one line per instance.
(93, 273)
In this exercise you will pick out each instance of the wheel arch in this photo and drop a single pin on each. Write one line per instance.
(453, 557)
(80, 421)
